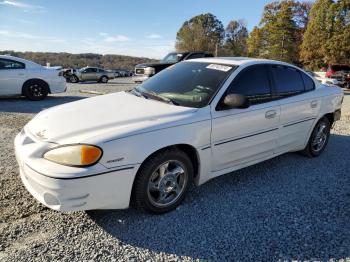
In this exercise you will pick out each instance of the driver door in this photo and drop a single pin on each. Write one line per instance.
(241, 136)
(89, 74)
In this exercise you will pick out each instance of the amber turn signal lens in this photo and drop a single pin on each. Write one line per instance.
(90, 155)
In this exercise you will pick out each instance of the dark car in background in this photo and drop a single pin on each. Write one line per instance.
(122, 73)
(147, 70)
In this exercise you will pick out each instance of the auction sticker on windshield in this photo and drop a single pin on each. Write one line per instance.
(219, 67)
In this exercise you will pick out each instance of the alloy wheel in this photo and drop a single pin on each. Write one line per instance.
(167, 183)
(320, 137)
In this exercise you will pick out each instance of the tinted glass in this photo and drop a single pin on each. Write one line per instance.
(340, 68)
(190, 84)
(254, 83)
(172, 58)
(308, 82)
(199, 55)
(287, 80)
(90, 70)
(10, 64)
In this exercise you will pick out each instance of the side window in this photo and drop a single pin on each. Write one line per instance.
(6, 64)
(197, 55)
(288, 80)
(254, 83)
(308, 82)
(90, 70)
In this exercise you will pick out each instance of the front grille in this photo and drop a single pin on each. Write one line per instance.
(139, 71)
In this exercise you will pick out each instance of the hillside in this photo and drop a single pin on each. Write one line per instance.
(81, 60)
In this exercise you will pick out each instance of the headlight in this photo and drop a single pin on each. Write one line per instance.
(74, 155)
(149, 71)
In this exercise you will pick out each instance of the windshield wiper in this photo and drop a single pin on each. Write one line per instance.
(155, 96)
(136, 92)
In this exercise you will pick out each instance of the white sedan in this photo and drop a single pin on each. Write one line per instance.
(192, 122)
(22, 77)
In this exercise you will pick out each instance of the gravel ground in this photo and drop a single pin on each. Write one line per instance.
(287, 208)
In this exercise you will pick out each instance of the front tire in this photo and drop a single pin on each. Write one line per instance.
(318, 139)
(35, 90)
(73, 79)
(162, 181)
(104, 79)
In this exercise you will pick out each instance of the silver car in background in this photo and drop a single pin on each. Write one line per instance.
(91, 74)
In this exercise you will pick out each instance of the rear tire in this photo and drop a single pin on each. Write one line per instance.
(318, 139)
(163, 181)
(35, 90)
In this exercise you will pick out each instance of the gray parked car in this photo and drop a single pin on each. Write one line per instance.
(91, 74)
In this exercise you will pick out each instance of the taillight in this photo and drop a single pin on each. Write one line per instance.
(329, 73)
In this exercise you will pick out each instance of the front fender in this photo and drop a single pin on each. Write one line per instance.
(133, 150)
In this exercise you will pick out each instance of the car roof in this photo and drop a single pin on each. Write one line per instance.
(237, 60)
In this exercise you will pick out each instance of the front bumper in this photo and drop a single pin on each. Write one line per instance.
(140, 78)
(110, 189)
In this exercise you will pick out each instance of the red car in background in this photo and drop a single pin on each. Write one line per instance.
(341, 73)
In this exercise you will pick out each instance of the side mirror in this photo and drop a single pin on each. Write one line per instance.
(234, 101)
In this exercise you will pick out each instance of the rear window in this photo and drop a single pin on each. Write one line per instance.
(287, 80)
(308, 82)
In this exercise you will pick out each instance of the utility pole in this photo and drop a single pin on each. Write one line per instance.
(216, 49)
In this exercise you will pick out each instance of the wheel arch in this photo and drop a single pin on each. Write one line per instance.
(104, 76)
(188, 149)
(36, 80)
(330, 117)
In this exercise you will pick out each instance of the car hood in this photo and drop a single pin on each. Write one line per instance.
(102, 118)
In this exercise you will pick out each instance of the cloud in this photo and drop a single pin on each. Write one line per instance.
(153, 36)
(116, 38)
(12, 34)
(22, 5)
(26, 36)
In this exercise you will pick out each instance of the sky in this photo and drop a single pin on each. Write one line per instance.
(135, 28)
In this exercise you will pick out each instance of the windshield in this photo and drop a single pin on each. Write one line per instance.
(190, 84)
(172, 58)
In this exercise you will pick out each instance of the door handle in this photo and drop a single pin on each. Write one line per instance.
(313, 104)
(270, 114)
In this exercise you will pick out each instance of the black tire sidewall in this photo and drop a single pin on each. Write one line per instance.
(104, 77)
(314, 131)
(141, 197)
(74, 77)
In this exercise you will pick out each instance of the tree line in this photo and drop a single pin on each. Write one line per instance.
(81, 60)
(303, 33)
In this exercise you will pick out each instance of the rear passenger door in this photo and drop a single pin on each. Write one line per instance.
(299, 107)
